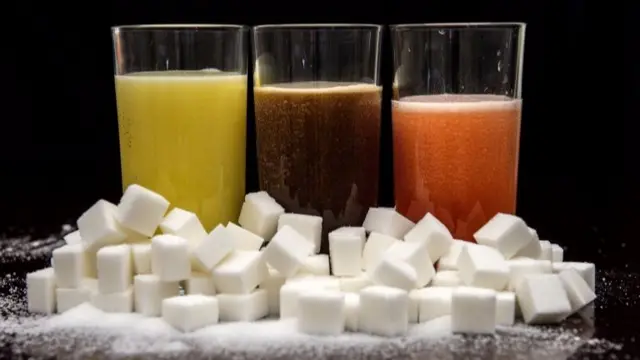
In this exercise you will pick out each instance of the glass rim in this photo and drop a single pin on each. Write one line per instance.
(459, 25)
(174, 27)
(319, 26)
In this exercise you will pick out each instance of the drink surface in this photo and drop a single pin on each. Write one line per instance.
(318, 145)
(183, 134)
(457, 157)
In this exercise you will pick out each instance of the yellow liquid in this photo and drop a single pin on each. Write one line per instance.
(183, 135)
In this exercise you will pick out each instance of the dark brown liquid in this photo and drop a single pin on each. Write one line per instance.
(318, 148)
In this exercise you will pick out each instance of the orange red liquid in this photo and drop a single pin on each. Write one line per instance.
(456, 156)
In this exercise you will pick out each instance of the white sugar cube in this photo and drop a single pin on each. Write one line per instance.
(434, 302)
(417, 255)
(272, 284)
(141, 210)
(533, 249)
(214, 247)
(520, 267)
(542, 299)
(374, 248)
(557, 253)
(190, 312)
(321, 312)
(354, 284)
(240, 272)
(586, 270)
(446, 278)
(326, 282)
(98, 226)
(352, 311)
(287, 251)
(69, 298)
(506, 233)
(473, 310)
(120, 302)
(546, 250)
(394, 273)
(114, 269)
(289, 294)
(345, 250)
(73, 238)
(449, 261)
(183, 223)
(259, 214)
(387, 221)
(578, 291)
(243, 239)
(309, 226)
(243, 307)
(413, 314)
(69, 265)
(434, 234)
(316, 265)
(200, 283)
(149, 292)
(135, 238)
(505, 308)
(483, 266)
(141, 258)
(383, 311)
(41, 295)
(170, 259)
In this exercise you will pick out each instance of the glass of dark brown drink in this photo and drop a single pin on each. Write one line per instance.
(317, 104)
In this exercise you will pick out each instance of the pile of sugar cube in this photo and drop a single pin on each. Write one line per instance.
(376, 279)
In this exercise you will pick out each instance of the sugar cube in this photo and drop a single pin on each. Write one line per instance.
(321, 312)
(291, 290)
(533, 249)
(243, 239)
(309, 226)
(586, 270)
(433, 302)
(483, 266)
(185, 224)
(414, 306)
(383, 311)
(542, 299)
(170, 259)
(259, 214)
(434, 234)
(240, 273)
(190, 312)
(272, 284)
(557, 253)
(506, 233)
(214, 247)
(287, 251)
(446, 278)
(141, 258)
(505, 308)
(352, 311)
(345, 250)
(316, 265)
(473, 310)
(120, 302)
(200, 283)
(394, 273)
(417, 256)
(98, 226)
(73, 238)
(69, 265)
(519, 267)
(41, 296)
(114, 269)
(449, 261)
(149, 292)
(69, 298)
(243, 307)
(374, 248)
(546, 251)
(141, 210)
(354, 284)
(387, 221)
(578, 291)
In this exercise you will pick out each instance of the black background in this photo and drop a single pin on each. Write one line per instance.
(577, 178)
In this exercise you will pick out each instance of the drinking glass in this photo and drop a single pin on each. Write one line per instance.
(317, 100)
(181, 94)
(456, 121)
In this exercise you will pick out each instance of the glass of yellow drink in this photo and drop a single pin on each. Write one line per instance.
(181, 92)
